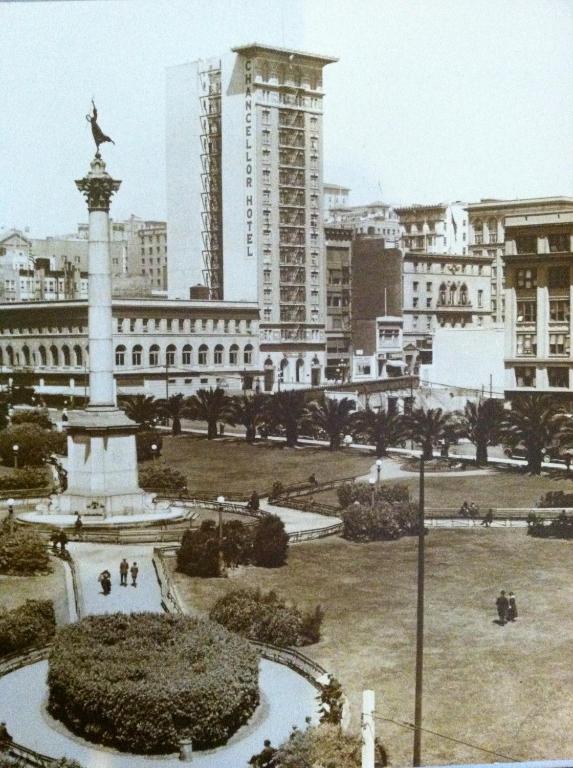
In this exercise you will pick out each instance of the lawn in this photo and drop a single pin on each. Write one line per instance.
(499, 488)
(509, 689)
(15, 590)
(234, 467)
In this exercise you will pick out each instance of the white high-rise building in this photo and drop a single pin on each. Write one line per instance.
(244, 196)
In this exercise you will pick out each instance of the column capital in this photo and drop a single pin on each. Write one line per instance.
(98, 186)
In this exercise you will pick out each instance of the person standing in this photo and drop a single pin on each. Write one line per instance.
(512, 608)
(134, 570)
(488, 518)
(78, 525)
(502, 605)
(105, 580)
(5, 738)
(123, 571)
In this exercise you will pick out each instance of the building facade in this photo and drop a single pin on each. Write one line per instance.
(148, 254)
(338, 243)
(377, 220)
(161, 347)
(244, 195)
(333, 196)
(434, 229)
(442, 291)
(538, 295)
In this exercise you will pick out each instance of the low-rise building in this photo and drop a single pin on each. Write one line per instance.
(161, 347)
(377, 220)
(338, 243)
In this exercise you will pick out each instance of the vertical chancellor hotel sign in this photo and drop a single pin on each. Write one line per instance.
(249, 199)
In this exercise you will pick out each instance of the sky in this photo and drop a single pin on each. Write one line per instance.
(431, 100)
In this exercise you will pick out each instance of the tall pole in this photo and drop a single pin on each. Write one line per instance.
(368, 736)
(166, 377)
(417, 759)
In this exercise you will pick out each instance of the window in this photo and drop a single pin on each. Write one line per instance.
(136, 355)
(415, 285)
(429, 287)
(202, 356)
(526, 311)
(525, 377)
(558, 277)
(429, 302)
(526, 278)
(558, 344)
(526, 244)
(414, 321)
(464, 295)
(492, 227)
(443, 289)
(248, 354)
(154, 355)
(234, 354)
(558, 243)
(266, 117)
(480, 298)
(415, 301)
(559, 310)
(186, 354)
(526, 344)
(170, 354)
(120, 355)
(218, 355)
(558, 377)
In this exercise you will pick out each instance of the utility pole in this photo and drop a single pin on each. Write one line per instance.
(166, 378)
(368, 736)
(417, 758)
(490, 386)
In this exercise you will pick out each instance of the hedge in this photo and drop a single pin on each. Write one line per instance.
(555, 499)
(270, 543)
(40, 418)
(559, 528)
(158, 476)
(22, 552)
(29, 477)
(63, 762)
(265, 617)
(381, 522)
(362, 492)
(143, 682)
(324, 745)
(143, 442)
(31, 624)
(35, 444)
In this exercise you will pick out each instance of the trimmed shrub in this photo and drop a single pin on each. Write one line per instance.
(325, 745)
(266, 617)
(560, 528)
(35, 444)
(40, 418)
(144, 440)
(270, 543)
(382, 522)
(161, 477)
(31, 624)
(362, 492)
(22, 552)
(29, 477)
(143, 682)
(198, 554)
(554, 499)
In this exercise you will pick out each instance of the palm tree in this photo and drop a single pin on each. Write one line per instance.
(174, 408)
(480, 424)
(143, 409)
(249, 412)
(287, 409)
(379, 427)
(534, 420)
(427, 427)
(333, 416)
(210, 405)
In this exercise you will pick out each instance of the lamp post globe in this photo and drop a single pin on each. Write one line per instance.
(372, 483)
(154, 450)
(378, 470)
(347, 441)
(15, 449)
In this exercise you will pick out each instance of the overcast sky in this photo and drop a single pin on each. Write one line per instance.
(431, 99)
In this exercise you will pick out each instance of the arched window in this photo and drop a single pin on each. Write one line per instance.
(463, 294)
(43, 355)
(202, 357)
(443, 290)
(26, 355)
(492, 228)
(154, 354)
(170, 354)
(269, 375)
(234, 354)
(187, 354)
(248, 354)
(478, 231)
(299, 369)
(452, 299)
(136, 354)
(315, 372)
(218, 355)
(10, 356)
(78, 355)
(55, 355)
(120, 355)
(66, 355)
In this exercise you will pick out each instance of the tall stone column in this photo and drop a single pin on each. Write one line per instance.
(98, 188)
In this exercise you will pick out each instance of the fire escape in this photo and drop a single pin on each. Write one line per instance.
(211, 181)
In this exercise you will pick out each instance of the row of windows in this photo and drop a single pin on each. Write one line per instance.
(526, 344)
(556, 377)
(54, 356)
(559, 311)
(153, 357)
(465, 269)
(557, 277)
(176, 325)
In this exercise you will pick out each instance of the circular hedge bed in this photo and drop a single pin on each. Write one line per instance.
(144, 682)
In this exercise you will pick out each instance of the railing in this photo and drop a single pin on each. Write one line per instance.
(169, 600)
(499, 513)
(315, 533)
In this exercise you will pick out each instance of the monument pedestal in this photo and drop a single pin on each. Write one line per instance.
(102, 464)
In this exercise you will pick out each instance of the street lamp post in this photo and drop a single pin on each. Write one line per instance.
(347, 441)
(154, 450)
(220, 502)
(10, 503)
(372, 490)
(280, 379)
(378, 470)
(15, 449)
(417, 758)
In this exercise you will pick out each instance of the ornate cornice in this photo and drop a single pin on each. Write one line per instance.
(98, 186)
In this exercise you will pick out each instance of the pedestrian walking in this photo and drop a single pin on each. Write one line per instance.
(5, 738)
(488, 518)
(502, 605)
(55, 539)
(78, 525)
(512, 608)
(123, 571)
(134, 570)
(265, 758)
(105, 580)
(63, 540)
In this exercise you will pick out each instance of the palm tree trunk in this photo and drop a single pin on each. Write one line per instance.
(481, 453)
(534, 461)
(176, 426)
(428, 450)
(211, 429)
(250, 434)
(335, 442)
(291, 436)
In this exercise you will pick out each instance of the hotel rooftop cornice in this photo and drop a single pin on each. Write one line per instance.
(255, 49)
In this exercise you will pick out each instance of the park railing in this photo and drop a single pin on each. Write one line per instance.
(499, 514)
(169, 599)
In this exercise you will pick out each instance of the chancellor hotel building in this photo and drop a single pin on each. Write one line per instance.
(244, 196)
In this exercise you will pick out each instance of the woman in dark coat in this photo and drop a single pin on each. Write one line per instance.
(512, 609)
